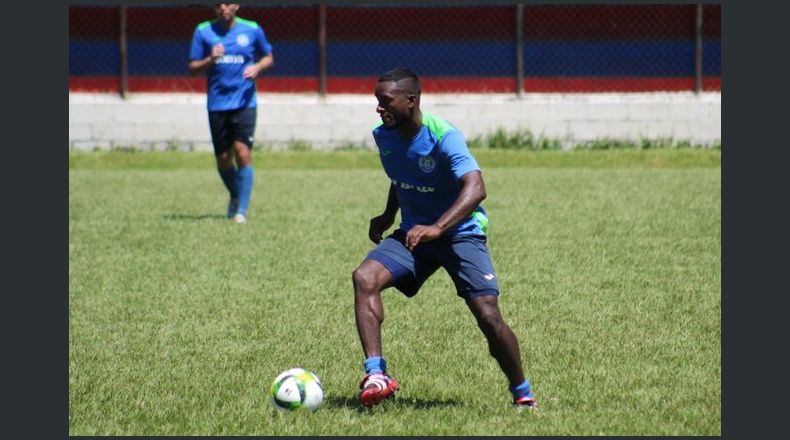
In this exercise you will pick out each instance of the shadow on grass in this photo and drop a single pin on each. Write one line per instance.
(194, 217)
(353, 403)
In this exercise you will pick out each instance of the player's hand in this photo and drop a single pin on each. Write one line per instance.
(250, 72)
(217, 51)
(421, 233)
(377, 227)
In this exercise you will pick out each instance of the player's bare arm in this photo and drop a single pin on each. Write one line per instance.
(472, 192)
(383, 222)
(264, 63)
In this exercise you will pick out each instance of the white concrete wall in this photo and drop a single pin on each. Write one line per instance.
(160, 121)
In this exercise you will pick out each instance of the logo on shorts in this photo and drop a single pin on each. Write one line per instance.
(426, 163)
(243, 40)
(488, 276)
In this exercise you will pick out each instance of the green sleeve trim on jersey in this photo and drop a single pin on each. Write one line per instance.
(482, 220)
(438, 126)
(249, 23)
(204, 25)
(378, 124)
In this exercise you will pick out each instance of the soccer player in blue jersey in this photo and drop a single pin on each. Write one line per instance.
(438, 187)
(231, 51)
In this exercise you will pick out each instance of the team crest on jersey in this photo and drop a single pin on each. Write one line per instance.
(426, 163)
(242, 40)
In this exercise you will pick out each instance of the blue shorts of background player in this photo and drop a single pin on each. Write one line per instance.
(464, 257)
(231, 126)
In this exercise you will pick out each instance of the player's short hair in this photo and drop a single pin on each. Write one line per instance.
(407, 81)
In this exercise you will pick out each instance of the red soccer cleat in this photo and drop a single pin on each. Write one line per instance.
(525, 402)
(375, 388)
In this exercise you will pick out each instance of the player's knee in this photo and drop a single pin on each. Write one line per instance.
(243, 156)
(488, 324)
(364, 280)
(225, 160)
(489, 319)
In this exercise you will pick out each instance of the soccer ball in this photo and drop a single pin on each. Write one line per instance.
(297, 389)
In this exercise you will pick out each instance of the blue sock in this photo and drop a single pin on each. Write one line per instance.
(229, 179)
(245, 177)
(521, 390)
(375, 364)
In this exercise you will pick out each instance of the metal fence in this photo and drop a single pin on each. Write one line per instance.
(333, 49)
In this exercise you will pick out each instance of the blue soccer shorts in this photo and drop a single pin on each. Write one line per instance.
(465, 258)
(232, 125)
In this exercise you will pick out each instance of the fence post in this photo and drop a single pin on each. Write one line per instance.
(322, 61)
(519, 50)
(124, 66)
(698, 50)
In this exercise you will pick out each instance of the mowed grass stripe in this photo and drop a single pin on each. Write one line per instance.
(179, 320)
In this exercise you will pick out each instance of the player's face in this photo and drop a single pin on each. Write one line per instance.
(394, 106)
(226, 11)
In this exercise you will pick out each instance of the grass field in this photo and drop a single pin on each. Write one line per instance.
(609, 264)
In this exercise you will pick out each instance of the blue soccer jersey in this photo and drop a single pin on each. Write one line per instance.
(244, 43)
(426, 172)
